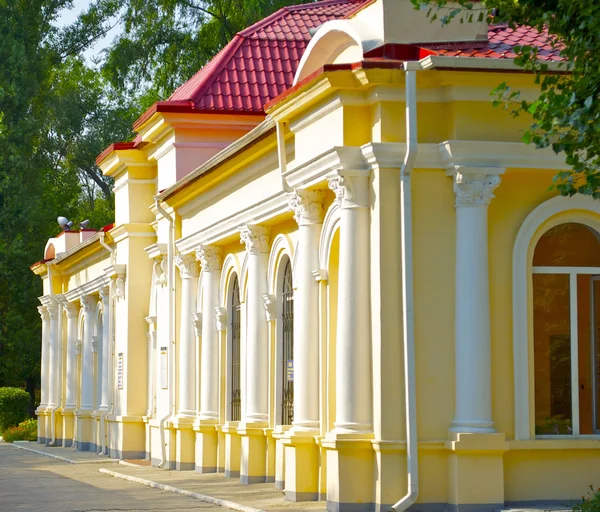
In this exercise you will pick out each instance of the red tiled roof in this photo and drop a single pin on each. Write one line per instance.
(500, 45)
(260, 62)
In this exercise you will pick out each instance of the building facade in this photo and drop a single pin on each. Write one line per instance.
(335, 267)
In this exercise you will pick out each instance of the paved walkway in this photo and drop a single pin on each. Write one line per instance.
(35, 483)
(260, 497)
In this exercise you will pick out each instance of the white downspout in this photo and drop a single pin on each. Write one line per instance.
(171, 287)
(412, 448)
(281, 153)
(111, 310)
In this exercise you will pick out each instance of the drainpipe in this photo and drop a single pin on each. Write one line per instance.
(171, 287)
(282, 156)
(111, 311)
(412, 448)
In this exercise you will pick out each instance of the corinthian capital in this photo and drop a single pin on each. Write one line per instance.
(88, 302)
(351, 189)
(187, 265)
(72, 309)
(53, 310)
(210, 257)
(307, 206)
(255, 238)
(474, 189)
(43, 310)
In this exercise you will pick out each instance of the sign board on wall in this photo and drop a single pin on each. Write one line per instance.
(120, 370)
(164, 374)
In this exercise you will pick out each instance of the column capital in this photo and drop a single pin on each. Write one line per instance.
(255, 238)
(210, 257)
(88, 302)
(351, 189)
(53, 309)
(187, 265)
(307, 206)
(474, 186)
(105, 295)
(197, 319)
(270, 303)
(72, 310)
(221, 318)
(43, 310)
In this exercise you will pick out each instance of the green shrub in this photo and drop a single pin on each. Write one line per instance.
(591, 503)
(14, 407)
(25, 431)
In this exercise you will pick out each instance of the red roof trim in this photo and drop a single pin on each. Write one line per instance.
(163, 106)
(39, 263)
(115, 146)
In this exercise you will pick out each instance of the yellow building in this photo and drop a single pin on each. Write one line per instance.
(335, 267)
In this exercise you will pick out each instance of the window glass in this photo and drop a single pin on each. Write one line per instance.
(570, 244)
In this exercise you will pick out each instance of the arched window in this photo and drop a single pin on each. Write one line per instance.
(287, 349)
(235, 412)
(566, 325)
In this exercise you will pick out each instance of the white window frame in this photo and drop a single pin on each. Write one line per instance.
(558, 210)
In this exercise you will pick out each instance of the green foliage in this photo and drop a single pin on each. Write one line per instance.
(164, 42)
(14, 405)
(25, 431)
(591, 503)
(566, 115)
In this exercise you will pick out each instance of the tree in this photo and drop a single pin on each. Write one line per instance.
(163, 42)
(566, 115)
(56, 115)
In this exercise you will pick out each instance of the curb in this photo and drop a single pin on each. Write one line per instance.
(65, 459)
(163, 487)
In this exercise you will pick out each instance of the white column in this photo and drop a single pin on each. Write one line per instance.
(105, 350)
(473, 407)
(354, 407)
(308, 212)
(211, 261)
(88, 303)
(72, 310)
(188, 269)
(54, 355)
(44, 370)
(256, 239)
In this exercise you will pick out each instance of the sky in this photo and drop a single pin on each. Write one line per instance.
(70, 15)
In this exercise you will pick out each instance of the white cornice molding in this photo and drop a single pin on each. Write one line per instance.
(315, 170)
(156, 250)
(448, 154)
(117, 272)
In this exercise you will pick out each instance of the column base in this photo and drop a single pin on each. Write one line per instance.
(472, 427)
(301, 468)
(185, 440)
(84, 439)
(41, 416)
(476, 471)
(350, 470)
(253, 460)
(279, 438)
(233, 450)
(68, 426)
(207, 447)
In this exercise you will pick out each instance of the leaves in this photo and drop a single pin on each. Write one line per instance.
(566, 115)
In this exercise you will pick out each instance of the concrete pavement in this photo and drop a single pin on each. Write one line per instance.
(35, 483)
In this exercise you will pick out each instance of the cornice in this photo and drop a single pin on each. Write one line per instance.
(116, 272)
(140, 229)
(156, 250)
(316, 169)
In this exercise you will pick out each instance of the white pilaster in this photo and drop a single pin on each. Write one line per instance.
(44, 377)
(72, 310)
(354, 408)
(308, 212)
(151, 406)
(188, 270)
(211, 261)
(54, 355)
(105, 349)
(88, 303)
(473, 188)
(256, 240)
